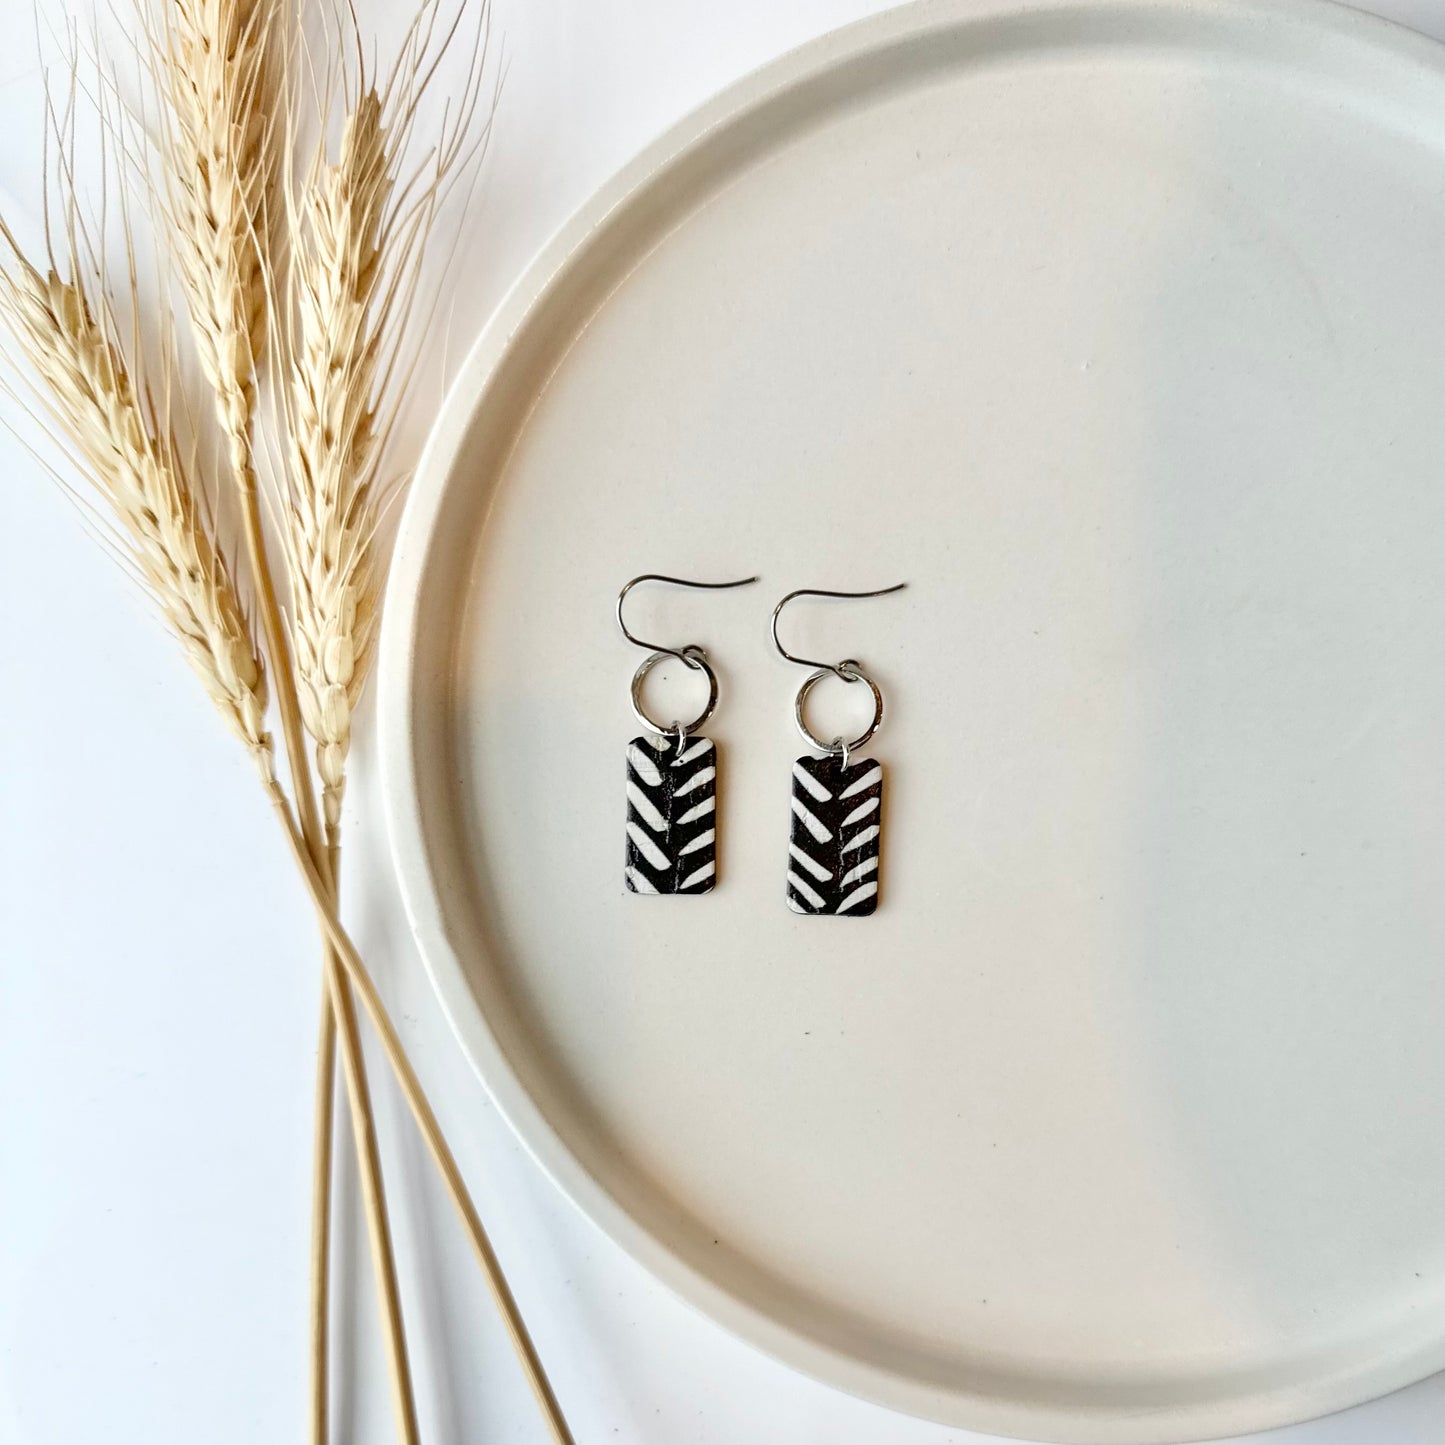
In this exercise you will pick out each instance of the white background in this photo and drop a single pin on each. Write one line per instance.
(159, 976)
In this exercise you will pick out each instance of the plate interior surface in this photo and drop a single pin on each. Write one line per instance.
(1117, 331)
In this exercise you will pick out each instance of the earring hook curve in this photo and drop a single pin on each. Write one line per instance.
(691, 653)
(847, 669)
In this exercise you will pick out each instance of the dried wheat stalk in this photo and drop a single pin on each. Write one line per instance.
(211, 62)
(214, 64)
(332, 604)
(357, 227)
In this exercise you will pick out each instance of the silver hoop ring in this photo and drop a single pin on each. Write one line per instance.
(839, 747)
(681, 730)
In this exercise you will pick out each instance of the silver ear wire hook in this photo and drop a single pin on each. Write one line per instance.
(848, 668)
(691, 654)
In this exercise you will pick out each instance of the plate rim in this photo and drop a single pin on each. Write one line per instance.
(426, 916)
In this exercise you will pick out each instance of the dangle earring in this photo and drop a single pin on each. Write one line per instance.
(672, 781)
(837, 802)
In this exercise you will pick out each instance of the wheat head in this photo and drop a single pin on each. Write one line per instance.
(211, 61)
(358, 232)
(136, 469)
(329, 528)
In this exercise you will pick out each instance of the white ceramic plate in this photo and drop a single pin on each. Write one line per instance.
(1118, 331)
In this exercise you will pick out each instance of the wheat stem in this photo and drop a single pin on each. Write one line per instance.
(337, 1005)
(321, 1155)
(426, 1120)
(373, 1193)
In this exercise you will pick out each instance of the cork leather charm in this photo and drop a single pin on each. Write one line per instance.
(671, 815)
(834, 847)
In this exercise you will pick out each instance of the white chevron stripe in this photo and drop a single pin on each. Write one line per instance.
(697, 876)
(644, 766)
(866, 891)
(647, 847)
(811, 783)
(701, 841)
(701, 746)
(866, 781)
(859, 839)
(805, 890)
(701, 810)
(640, 882)
(645, 808)
(811, 823)
(703, 775)
(811, 864)
(867, 866)
(860, 812)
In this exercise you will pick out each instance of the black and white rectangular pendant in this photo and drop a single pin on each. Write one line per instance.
(671, 815)
(833, 851)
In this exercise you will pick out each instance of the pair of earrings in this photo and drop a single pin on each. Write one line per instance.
(837, 801)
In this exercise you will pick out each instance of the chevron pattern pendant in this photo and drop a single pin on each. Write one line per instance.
(833, 851)
(671, 815)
